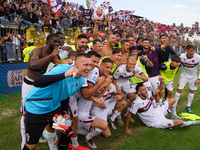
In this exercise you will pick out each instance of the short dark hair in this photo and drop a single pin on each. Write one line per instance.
(176, 58)
(94, 53)
(124, 41)
(82, 55)
(72, 53)
(129, 35)
(138, 86)
(96, 40)
(30, 44)
(117, 50)
(139, 39)
(59, 33)
(82, 36)
(162, 35)
(50, 36)
(145, 39)
(133, 48)
(107, 60)
(118, 32)
(190, 46)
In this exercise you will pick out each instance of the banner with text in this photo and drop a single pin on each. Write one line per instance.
(11, 77)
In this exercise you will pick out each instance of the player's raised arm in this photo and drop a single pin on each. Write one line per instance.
(167, 41)
(96, 25)
(161, 86)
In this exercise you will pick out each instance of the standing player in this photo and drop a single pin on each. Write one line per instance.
(163, 56)
(142, 61)
(151, 116)
(63, 49)
(39, 59)
(42, 104)
(153, 72)
(168, 70)
(190, 61)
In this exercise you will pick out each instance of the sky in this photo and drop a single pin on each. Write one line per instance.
(163, 11)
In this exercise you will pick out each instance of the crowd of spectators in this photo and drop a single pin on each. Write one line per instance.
(38, 14)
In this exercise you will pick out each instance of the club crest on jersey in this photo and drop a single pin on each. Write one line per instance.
(27, 137)
(169, 124)
(193, 60)
(90, 117)
(76, 84)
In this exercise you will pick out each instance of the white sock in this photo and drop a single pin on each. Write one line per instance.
(74, 142)
(174, 106)
(190, 99)
(160, 101)
(119, 116)
(22, 128)
(82, 132)
(157, 104)
(92, 134)
(114, 115)
(189, 123)
(127, 100)
(51, 138)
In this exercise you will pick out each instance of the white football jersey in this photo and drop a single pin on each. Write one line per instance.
(108, 95)
(145, 110)
(84, 105)
(93, 76)
(122, 75)
(190, 65)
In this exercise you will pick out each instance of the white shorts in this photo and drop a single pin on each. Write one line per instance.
(111, 107)
(161, 121)
(154, 82)
(126, 87)
(85, 120)
(73, 107)
(26, 88)
(183, 81)
(133, 86)
(99, 113)
(170, 86)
